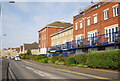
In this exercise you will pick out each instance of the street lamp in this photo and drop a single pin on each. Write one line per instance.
(1, 9)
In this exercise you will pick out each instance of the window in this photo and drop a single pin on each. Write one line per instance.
(80, 24)
(111, 30)
(106, 33)
(66, 32)
(79, 39)
(88, 21)
(52, 44)
(97, 6)
(106, 14)
(115, 10)
(62, 34)
(92, 35)
(58, 43)
(95, 18)
(70, 31)
(76, 26)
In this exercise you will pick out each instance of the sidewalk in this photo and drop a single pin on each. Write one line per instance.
(97, 72)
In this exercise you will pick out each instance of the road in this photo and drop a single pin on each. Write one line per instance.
(25, 70)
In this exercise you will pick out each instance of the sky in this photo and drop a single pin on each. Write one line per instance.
(21, 21)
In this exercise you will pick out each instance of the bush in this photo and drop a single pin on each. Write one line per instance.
(104, 59)
(70, 61)
(61, 58)
(60, 62)
(54, 59)
(45, 60)
(80, 58)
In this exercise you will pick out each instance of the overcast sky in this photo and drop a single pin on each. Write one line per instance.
(23, 20)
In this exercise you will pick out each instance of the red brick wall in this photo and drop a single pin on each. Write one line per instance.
(101, 22)
(47, 42)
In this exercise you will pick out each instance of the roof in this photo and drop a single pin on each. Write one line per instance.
(93, 4)
(31, 46)
(58, 24)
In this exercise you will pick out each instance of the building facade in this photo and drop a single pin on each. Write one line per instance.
(95, 28)
(61, 38)
(44, 35)
(32, 47)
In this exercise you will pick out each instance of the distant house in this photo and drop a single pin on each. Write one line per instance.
(33, 47)
(0, 52)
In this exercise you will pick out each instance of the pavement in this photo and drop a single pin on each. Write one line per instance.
(34, 71)
(0, 69)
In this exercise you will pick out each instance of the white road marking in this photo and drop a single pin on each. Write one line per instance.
(29, 68)
(44, 73)
(23, 65)
(37, 71)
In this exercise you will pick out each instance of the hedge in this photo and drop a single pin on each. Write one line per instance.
(70, 60)
(80, 58)
(104, 59)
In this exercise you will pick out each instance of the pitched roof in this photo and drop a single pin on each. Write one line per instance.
(31, 46)
(58, 24)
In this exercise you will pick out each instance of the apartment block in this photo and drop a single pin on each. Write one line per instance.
(44, 34)
(95, 28)
(61, 38)
(98, 24)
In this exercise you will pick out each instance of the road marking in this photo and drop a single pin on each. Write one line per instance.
(37, 71)
(23, 65)
(93, 76)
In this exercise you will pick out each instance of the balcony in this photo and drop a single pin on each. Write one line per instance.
(96, 41)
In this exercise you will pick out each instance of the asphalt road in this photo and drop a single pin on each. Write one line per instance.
(23, 70)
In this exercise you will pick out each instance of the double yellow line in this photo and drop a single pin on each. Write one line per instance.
(93, 76)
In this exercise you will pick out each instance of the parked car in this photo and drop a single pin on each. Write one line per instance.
(17, 58)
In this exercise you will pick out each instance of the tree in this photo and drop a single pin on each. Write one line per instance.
(29, 52)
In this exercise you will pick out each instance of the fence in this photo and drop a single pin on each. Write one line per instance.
(97, 40)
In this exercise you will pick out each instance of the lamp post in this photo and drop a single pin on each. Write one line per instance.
(1, 17)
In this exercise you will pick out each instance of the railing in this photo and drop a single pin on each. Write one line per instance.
(104, 39)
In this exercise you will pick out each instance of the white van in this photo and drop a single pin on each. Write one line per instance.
(17, 58)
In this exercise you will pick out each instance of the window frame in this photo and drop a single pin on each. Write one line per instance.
(76, 26)
(115, 14)
(106, 16)
(88, 21)
(81, 24)
(95, 16)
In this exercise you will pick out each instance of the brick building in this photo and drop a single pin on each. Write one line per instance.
(44, 34)
(60, 38)
(96, 28)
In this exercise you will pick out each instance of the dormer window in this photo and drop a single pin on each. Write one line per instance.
(97, 6)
